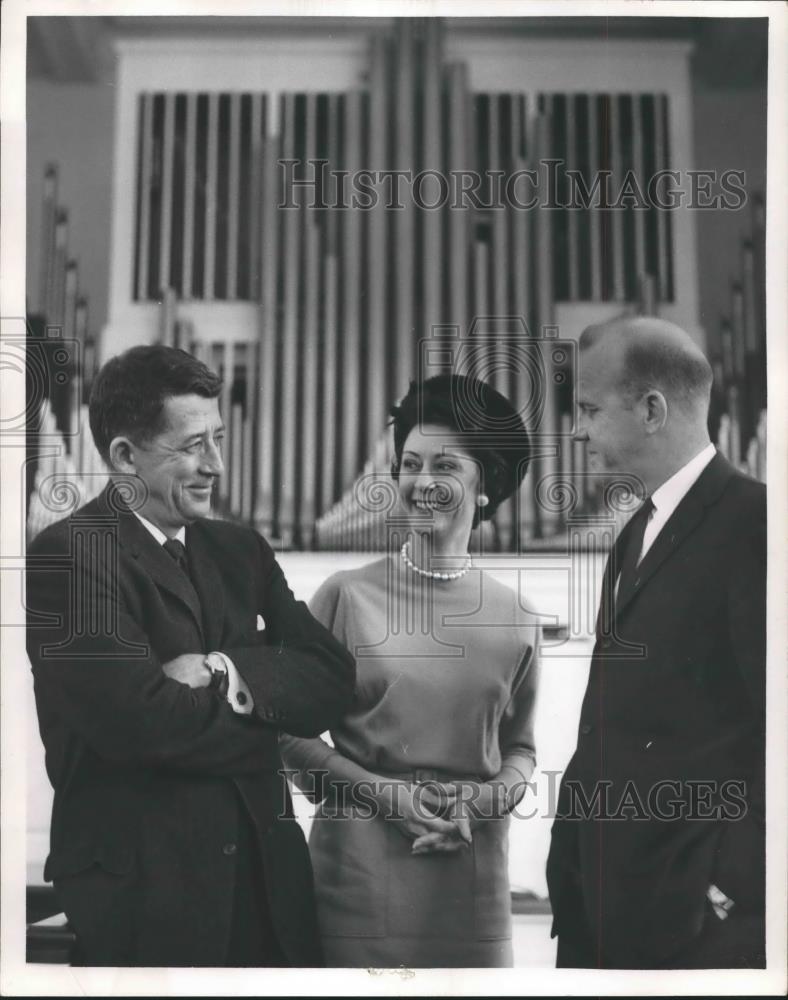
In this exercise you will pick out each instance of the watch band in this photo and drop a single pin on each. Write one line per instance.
(219, 680)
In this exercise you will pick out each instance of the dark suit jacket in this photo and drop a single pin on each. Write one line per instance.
(151, 778)
(676, 693)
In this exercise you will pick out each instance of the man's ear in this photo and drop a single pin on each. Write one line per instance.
(656, 411)
(122, 455)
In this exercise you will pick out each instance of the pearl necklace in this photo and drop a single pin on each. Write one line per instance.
(434, 574)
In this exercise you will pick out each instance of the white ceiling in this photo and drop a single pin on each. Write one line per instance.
(730, 52)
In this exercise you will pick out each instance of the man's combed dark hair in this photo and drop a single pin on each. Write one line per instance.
(129, 391)
(435, 401)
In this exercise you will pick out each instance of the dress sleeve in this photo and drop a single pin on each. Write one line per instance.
(301, 679)
(328, 604)
(307, 760)
(516, 729)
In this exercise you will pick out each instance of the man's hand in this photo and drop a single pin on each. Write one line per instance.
(190, 669)
(721, 904)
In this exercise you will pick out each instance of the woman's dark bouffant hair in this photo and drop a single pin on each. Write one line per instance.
(128, 393)
(477, 413)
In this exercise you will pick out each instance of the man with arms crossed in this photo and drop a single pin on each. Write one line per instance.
(657, 854)
(168, 653)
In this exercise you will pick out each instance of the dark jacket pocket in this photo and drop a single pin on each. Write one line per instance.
(115, 859)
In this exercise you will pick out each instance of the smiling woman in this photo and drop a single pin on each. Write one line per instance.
(440, 486)
(459, 419)
(438, 747)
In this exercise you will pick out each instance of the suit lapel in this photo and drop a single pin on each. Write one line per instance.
(138, 542)
(682, 522)
(207, 582)
(604, 619)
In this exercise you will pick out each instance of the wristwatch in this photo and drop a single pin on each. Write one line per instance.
(218, 669)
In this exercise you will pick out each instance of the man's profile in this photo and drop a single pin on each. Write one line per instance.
(676, 692)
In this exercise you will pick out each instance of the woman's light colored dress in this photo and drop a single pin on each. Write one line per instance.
(447, 675)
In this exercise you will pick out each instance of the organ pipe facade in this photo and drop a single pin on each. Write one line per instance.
(314, 221)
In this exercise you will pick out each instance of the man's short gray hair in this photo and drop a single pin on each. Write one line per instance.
(657, 355)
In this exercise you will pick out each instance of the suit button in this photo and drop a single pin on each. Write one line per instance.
(585, 729)
(229, 849)
(241, 698)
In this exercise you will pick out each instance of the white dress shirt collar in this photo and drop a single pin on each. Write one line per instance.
(670, 494)
(157, 533)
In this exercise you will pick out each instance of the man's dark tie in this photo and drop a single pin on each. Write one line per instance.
(177, 550)
(636, 529)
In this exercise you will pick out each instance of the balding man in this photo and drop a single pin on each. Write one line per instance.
(657, 854)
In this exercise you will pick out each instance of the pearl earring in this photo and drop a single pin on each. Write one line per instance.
(482, 500)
